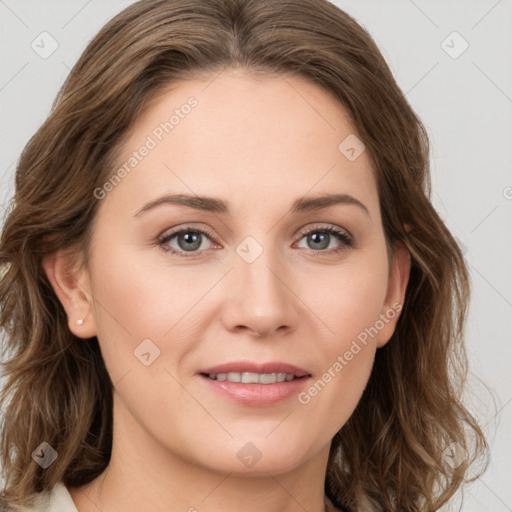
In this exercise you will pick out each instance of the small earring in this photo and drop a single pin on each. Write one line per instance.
(80, 321)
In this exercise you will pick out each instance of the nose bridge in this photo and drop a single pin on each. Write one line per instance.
(258, 268)
(263, 301)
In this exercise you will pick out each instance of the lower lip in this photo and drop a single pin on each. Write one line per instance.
(257, 395)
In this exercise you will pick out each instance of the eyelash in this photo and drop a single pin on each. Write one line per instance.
(341, 235)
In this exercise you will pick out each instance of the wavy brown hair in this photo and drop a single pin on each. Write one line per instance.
(389, 454)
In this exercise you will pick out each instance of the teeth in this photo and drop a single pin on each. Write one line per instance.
(252, 378)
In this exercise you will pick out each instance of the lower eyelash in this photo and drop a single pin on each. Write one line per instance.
(162, 241)
(339, 234)
(342, 236)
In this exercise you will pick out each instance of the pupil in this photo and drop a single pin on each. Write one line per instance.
(190, 238)
(319, 238)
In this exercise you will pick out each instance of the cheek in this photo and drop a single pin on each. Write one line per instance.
(136, 290)
(348, 302)
(348, 298)
(136, 301)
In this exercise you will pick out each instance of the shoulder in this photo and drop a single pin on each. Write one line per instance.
(57, 499)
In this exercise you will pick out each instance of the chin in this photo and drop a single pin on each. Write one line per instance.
(258, 457)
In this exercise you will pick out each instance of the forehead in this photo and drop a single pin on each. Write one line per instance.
(246, 136)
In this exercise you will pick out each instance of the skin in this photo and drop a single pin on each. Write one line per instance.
(258, 143)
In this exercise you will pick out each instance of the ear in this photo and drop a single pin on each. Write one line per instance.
(72, 286)
(397, 285)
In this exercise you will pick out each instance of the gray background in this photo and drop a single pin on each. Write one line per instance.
(464, 100)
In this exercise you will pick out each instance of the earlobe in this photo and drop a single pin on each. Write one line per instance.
(397, 286)
(71, 285)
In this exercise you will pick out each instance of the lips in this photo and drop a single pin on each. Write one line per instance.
(253, 367)
(255, 384)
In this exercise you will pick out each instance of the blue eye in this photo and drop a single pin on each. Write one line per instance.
(190, 240)
(319, 236)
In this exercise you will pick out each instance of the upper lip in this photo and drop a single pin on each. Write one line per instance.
(253, 367)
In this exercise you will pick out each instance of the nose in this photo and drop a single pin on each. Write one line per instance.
(261, 300)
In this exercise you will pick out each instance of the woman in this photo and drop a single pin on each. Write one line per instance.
(225, 286)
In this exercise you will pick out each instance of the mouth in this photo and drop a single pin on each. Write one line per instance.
(250, 372)
(255, 384)
(252, 377)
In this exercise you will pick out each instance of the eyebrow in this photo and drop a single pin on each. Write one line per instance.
(216, 205)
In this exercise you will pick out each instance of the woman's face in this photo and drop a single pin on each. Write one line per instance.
(250, 159)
